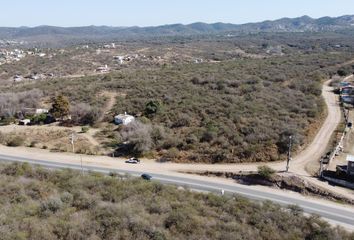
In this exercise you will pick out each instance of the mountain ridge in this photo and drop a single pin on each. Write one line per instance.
(299, 24)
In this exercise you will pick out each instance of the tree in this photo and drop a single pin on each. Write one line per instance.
(343, 72)
(83, 113)
(60, 107)
(139, 137)
(152, 107)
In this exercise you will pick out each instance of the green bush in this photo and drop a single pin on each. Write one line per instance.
(266, 172)
(85, 129)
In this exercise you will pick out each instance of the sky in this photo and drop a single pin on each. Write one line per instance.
(15, 13)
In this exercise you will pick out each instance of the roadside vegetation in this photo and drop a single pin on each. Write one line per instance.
(42, 204)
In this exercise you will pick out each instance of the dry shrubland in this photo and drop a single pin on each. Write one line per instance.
(231, 108)
(41, 204)
(55, 140)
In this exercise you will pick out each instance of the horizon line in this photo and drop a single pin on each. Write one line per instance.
(169, 24)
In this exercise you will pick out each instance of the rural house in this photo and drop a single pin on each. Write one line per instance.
(350, 166)
(124, 119)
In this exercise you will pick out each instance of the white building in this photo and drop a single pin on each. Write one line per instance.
(119, 59)
(350, 166)
(18, 78)
(124, 119)
(103, 69)
(25, 122)
(41, 110)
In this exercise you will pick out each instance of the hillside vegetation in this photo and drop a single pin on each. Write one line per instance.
(41, 204)
(214, 100)
(230, 111)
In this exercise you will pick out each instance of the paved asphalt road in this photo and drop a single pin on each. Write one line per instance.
(333, 213)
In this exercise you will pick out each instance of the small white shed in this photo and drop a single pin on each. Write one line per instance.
(24, 122)
(124, 119)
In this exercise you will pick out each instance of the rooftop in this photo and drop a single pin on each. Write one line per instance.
(350, 158)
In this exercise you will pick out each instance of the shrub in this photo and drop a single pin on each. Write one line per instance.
(52, 205)
(39, 119)
(85, 129)
(33, 143)
(82, 200)
(170, 155)
(15, 141)
(138, 136)
(266, 172)
(152, 107)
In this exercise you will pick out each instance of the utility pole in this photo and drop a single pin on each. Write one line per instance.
(321, 167)
(289, 153)
(73, 138)
(72, 141)
(82, 169)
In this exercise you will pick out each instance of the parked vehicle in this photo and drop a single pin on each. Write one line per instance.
(133, 161)
(146, 177)
(325, 158)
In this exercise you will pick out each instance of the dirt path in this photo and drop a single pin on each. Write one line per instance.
(110, 103)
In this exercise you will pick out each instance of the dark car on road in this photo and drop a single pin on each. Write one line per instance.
(146, 176)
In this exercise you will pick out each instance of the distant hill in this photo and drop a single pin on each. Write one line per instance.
(90, 33)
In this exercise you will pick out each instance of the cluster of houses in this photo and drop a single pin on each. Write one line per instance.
(7, 43)
(33, 76)
(11, 56)
(121, 59)
(349, 168)
(127, 58)
(346, 91)
(15, 55)
(109, 46)
(30, 112)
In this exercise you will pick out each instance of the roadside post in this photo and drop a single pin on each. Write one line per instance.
(72, 141)
(289, 154)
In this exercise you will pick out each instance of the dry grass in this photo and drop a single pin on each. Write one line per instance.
(52, 139)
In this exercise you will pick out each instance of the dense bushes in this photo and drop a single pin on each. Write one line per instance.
(13, 103)
(84, 114)
(41, 204)
(228, 112)
(15, 141)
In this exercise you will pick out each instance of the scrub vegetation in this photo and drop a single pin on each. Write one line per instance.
(239, 105)
(42, 204)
